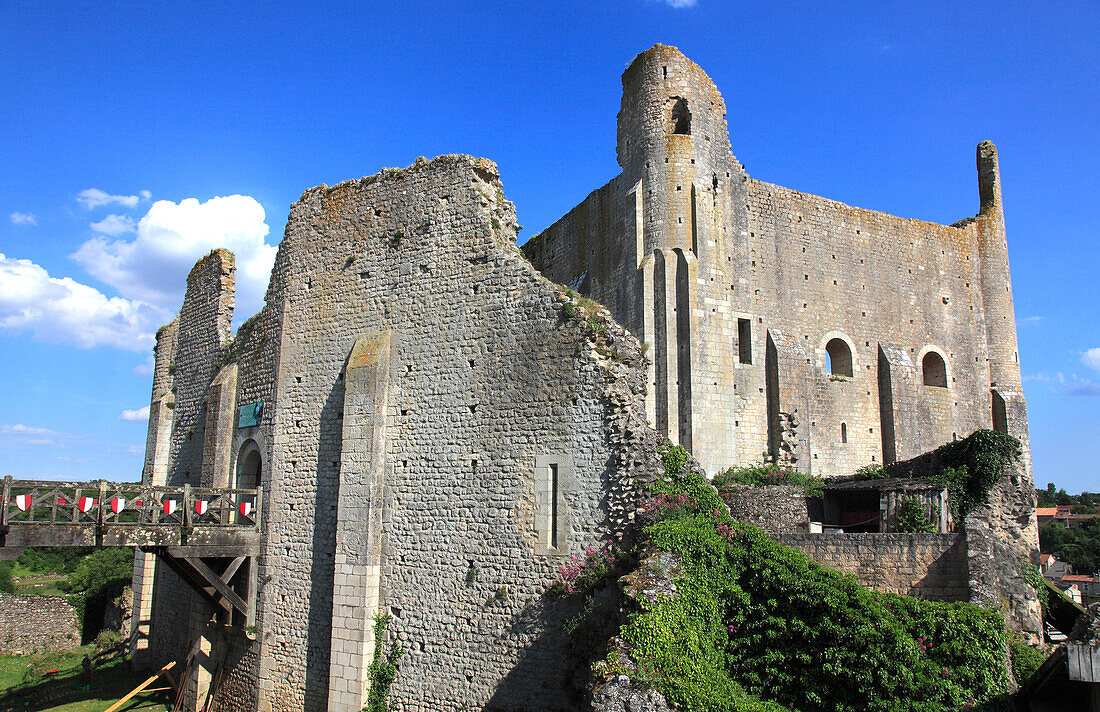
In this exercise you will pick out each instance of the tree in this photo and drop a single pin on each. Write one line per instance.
(97, 580)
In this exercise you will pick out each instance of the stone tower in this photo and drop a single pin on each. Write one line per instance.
(780, 324)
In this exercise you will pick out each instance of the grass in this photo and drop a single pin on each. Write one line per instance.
(25, 687)
(28, 581)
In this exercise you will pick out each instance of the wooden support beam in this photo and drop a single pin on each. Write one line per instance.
(140, 687)
(221, 586)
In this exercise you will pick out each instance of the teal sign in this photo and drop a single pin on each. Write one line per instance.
(250, 414)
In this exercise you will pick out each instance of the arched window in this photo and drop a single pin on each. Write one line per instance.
(935, 370)
(839, 358)
(681, 117)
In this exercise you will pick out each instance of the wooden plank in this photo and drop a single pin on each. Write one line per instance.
(232, 568)
(214, 551)
(140, 687)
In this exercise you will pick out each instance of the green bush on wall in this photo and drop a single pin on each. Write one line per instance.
(757, 626)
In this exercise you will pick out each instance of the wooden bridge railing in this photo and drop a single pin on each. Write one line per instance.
(104, 504)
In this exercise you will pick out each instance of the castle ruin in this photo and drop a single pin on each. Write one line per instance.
(436, 424)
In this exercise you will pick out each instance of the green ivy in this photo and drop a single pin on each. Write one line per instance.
(755, 626)
(383, 668)
(973, 466)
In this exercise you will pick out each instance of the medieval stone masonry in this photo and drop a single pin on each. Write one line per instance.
(436, 423)
(822, 335)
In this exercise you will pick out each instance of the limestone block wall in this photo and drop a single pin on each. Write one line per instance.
(489, 380)
(30, 624)
(709, 266)
(923, 565)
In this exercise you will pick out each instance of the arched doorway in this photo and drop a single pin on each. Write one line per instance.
(249, 467)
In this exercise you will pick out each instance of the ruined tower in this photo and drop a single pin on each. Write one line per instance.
(781, 324)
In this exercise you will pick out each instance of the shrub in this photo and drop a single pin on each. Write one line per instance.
(107, 640)
(770, 474)
(583, 575)
(1025, 659)
(912, 517)
(7, 584)
(96, 580)
(754, 625)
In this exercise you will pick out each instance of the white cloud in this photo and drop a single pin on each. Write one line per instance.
(20, 429)
(40, 441)
(1035, 377)
(682, 3)
(1031, 319)
(115, 225)
(1091, 358)
(95, 198)
(137, 416)
(23, 219)
(153, 266)
(145, 369)
(145, 194)
(65, 311)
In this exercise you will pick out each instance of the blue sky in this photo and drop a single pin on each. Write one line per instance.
(136, 137)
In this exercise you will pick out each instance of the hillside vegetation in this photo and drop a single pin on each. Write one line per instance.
(747, 625)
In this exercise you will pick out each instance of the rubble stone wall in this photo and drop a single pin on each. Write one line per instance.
(31, 624)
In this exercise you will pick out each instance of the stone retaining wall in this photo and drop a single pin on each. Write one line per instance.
(930, 566)
(35, 623)
(777, 510)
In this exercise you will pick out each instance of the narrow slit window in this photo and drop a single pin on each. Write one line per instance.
(553, 505)
(843, 432)
(744, 340)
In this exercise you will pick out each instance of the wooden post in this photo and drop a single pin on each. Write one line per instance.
(187, 505)
(102, 496)
(256, 505)
(7, 501)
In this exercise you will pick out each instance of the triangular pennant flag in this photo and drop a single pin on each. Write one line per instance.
(117, 504)
(201, 505)
(85, 503)
(245, 508)
(22, 501)
(169, 506)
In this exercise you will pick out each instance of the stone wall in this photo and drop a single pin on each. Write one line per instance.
(922, 565)
(777, 510)
(740, 285)
(31, 624)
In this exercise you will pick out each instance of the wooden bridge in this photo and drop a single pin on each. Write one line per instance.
(210, 537)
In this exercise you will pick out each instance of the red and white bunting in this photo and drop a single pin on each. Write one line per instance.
(22, 501)
(201, 505)
(84, 504)
(169, 506)
(245, 508)
(118, 504)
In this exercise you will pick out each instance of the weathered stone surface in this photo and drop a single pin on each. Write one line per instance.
(621, 695)
(932, 566)
(30, 624)
(777, 510)
(512, 425)
(740, 286)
